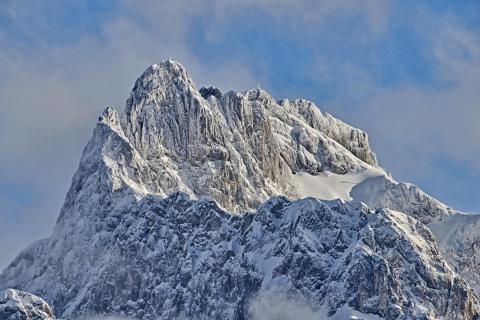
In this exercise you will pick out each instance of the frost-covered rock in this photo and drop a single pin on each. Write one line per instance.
(382, 191)
(237, 148)
(458, 234)
(19, 305)
(458, 237)
(170, 214)
(180, 258)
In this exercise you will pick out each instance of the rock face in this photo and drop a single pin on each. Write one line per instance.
(457, 234)
(182, 208)
(237, 148)
(459, 240)
(182, 258)
(19, 305)
(382, 191)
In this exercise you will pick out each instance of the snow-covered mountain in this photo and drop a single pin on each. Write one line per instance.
(459, 239)
(189, 204)
(19, 305)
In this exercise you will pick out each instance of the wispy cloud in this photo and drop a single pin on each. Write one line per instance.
(416, 129)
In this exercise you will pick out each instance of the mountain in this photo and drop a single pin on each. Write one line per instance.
(197, 204)
(18, 305)
(459, 239)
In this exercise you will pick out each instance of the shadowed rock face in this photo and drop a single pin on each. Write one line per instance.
(154, 223)
(179, 258)
(19, 305)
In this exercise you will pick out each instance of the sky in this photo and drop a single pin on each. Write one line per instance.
(407, 72)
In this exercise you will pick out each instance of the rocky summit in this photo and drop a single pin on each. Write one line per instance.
(198, 204)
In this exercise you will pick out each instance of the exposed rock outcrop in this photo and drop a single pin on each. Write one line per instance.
(19, 305)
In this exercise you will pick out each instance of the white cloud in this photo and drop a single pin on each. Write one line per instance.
(434, 121)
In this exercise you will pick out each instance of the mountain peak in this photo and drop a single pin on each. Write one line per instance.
(188, 205)
(169, 70)
(160, 82)
(166, 66)
(239, 148)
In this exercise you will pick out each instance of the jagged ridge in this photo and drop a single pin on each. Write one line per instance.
(238, 149)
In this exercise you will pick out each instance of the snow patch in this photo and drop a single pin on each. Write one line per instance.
(330, 186)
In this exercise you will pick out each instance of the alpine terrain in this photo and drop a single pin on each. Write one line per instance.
(198, 204)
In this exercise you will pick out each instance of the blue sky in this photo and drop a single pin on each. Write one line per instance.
(407, 72)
